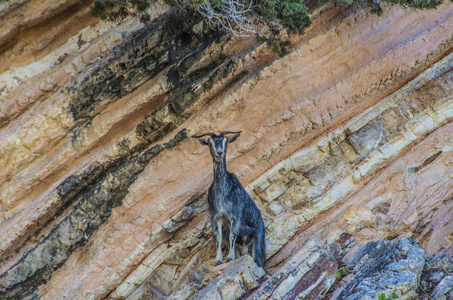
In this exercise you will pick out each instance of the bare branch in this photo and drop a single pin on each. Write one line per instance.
(233, 16)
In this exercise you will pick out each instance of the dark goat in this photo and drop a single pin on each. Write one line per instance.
(234, 215)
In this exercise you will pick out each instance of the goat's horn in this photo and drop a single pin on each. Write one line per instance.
(228, 132)
(199, 136)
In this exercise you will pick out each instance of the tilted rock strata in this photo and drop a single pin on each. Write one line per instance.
(386, 269)
(396, 270)
(103, 193)
(400, 270)
(307, 274)
(299, 188)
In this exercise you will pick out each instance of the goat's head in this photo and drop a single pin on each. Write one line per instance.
(218, 143)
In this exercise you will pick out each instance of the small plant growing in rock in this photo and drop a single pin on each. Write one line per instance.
(341, 272)
(391, 296)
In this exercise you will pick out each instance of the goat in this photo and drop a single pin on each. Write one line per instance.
(233, 212)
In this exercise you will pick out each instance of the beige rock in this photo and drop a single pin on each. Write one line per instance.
(337, 135)
(357, 218)
(235, 281)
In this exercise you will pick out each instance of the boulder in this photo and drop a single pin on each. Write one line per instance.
(384, 268)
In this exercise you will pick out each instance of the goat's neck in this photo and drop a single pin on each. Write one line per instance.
(220, 173)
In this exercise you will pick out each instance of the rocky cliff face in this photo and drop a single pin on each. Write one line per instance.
(346, 149)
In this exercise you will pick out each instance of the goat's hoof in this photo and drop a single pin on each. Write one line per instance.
(218, 261)
(230, 257)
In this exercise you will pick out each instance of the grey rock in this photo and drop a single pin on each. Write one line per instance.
(436, 276)
(444, 290)
(440, 262)
(435, 271)
(383, 267)
(366, 260)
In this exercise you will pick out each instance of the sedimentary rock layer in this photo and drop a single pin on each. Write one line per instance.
(103, 192)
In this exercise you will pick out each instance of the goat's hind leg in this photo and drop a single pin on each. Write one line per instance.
(217, 227)
(247, 241)
(247, 233)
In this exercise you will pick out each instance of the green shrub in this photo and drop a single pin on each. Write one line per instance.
(376, 6)
(383, 297)
(342, 272)
(290, 14)
(247, 17)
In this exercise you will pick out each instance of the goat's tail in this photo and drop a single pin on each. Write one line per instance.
(260, 245)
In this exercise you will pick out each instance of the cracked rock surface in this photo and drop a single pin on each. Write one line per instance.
(346, 148)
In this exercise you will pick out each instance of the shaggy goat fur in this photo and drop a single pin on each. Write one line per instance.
(234, 215)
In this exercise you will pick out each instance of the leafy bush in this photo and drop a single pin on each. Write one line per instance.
(291, 14)
(376, 6)
(236, 16)
(263, 18)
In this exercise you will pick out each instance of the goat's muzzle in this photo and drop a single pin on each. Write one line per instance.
(218, 157)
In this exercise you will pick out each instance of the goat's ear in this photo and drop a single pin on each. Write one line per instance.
(233, 138)
(203, 142)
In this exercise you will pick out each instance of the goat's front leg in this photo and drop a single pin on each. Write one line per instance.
(218, 238)
(234, 229)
